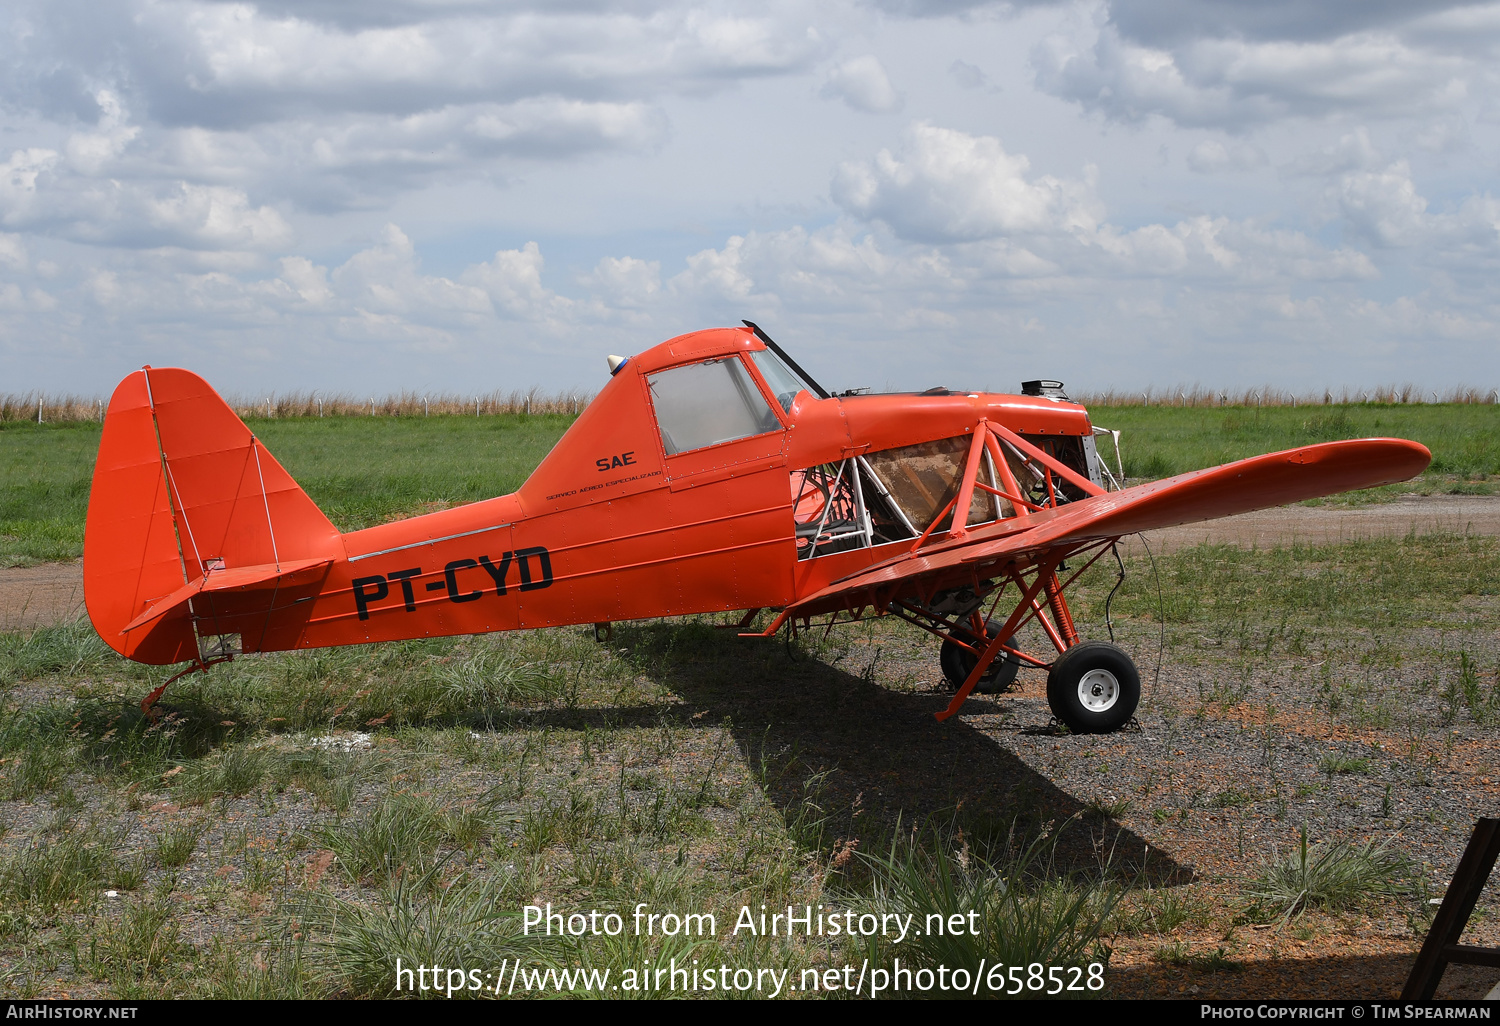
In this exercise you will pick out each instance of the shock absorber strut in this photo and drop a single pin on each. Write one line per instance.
(1060, 614)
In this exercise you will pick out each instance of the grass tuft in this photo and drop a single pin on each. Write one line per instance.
(1333, 876)
(176, 844)
(490, 678)
(472, 924)
(66, 868)
(398, 839)
(1022, 913)
(1332, 764)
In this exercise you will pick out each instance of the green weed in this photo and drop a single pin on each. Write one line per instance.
(144, 945)
(399, 838)
(468, 925)
(1333, 875)
(489, 678)
(1161, 911)
(1333, 764)
(236, 771)
(175, 845)
(62, 869)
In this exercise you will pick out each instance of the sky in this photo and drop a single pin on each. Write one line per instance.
(458, 196)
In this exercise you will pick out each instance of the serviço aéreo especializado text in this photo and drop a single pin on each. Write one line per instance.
(797, 920)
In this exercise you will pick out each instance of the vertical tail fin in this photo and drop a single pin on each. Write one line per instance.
(190, 518)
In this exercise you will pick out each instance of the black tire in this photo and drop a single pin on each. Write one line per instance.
(1094, 688)
(958, 663)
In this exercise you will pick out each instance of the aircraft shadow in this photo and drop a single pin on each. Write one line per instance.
(872, 759)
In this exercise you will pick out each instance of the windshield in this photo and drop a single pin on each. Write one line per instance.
(783, 381)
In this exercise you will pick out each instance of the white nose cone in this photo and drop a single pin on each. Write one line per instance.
(616, 362)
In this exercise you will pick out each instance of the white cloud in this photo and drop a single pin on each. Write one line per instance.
(385, 279)
(90, 192)
(185, 176)
(234, 64)
(862, 84)
(18, 177)
(331, 110)
(1383, 206)
(1353, 151)
(93, 153)
(15, 299)
(1231, 81)
(212, 217)
(513, 279)
(308, 280)
(625, 283)
(948, 186)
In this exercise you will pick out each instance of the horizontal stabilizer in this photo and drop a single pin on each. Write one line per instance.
(240, 578)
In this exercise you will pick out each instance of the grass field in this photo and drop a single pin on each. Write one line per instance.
(296, 822)
(1160, 441)
(360, 470)
(366, 470)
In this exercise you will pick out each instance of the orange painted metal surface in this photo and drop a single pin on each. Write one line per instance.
(198, 544)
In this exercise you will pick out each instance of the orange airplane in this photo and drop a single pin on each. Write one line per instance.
(711, 473)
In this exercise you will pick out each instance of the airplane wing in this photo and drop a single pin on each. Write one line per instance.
(1256, 483)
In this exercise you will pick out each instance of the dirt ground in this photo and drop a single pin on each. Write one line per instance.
(41, 595)
(1329, 525)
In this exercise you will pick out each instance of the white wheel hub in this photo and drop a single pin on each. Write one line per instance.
(1098, 690)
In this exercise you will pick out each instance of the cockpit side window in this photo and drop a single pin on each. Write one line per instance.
(707, 403)
(782, 380)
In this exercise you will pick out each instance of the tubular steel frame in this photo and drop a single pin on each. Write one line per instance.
(967, 628)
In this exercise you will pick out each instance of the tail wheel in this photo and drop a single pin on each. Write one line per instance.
(958, 662)
(1094, 688)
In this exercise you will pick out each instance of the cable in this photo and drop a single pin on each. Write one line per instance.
(1161, 612)
(1114, 548)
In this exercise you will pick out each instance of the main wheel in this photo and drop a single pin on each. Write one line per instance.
(1094, 688)
(958, 662)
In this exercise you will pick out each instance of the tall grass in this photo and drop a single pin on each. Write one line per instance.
(1023, 911)
(71, 648)
(361, 471)
(136, 951)
(39, 407)
(398, 840)
(471, 924)
(488, 678)
(73, 866)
